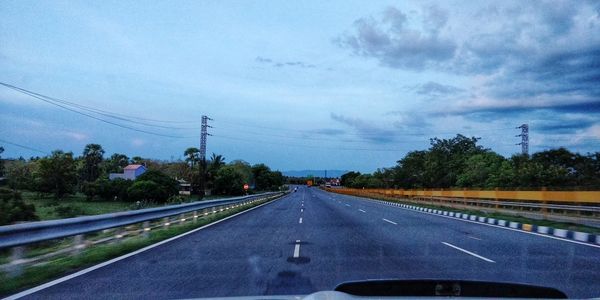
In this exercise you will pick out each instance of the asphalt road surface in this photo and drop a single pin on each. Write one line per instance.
(312, 240)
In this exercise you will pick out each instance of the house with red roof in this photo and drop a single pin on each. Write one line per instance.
(131, 172)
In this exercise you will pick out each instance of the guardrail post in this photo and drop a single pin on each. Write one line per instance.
(120, 233)
(146, 229)
(15, 267)
(496, 198)
(544, 203)
(78, 244)
(166, 222)
(182, 219)
(195, 216)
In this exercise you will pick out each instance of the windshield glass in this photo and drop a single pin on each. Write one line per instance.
(185, 149)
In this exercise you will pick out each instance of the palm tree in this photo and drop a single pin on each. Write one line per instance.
(216, 162)
(192, 154)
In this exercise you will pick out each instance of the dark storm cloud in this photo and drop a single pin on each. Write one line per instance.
(277, 64)
(519, 109)
(531, 56)
(563, 126)
(366, 130)
(394, 44)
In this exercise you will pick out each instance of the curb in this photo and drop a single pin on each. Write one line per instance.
(544, 230)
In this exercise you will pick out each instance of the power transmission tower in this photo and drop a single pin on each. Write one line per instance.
(524, 138)
(203, 134)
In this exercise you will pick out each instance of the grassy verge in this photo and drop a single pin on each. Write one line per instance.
(36, 275)
(46, 206)
(520, 219)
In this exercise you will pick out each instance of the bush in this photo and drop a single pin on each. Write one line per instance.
(13, 209)
(168, 184)
(146, 190)
(107, 189)
(66, 211)
(153, 186)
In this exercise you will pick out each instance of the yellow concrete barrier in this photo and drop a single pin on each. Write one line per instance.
(589, 197)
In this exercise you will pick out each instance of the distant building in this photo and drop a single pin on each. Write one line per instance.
(131, 172)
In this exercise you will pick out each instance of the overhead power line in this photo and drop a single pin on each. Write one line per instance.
(118, 116)
(23, 146)
(94, 117)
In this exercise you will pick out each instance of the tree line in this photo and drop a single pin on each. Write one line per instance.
(61, 174)
(460, 162)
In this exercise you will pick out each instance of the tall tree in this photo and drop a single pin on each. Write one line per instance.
(192, 156)
(56, 174)
(230, 180)
(216, 162)
(346, 179)
(92, 158)
(116, 163)
(1, 162)
(20, 174)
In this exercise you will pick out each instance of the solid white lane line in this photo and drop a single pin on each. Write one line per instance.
(300, 221)
(348, 205)
(297, 249)
(390, 221)
(468, 252)
(362, 210)
(472, 237)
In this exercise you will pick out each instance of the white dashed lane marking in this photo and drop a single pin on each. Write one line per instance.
(392, 222)
(297, 249)
(468, 252)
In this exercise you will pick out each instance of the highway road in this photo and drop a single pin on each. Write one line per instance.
(312, 240)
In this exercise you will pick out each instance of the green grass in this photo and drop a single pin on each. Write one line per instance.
(520, 219)
(45, 206)
(35, 275)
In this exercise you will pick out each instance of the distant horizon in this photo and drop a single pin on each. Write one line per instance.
(317, 171)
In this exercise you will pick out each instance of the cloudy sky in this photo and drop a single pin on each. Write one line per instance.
(311, 85)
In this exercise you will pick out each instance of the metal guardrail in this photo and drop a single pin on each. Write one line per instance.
(27, 233)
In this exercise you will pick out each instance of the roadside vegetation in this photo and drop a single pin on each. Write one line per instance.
(62, 185)
(460, 162)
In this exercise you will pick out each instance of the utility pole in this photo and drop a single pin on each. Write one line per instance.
(524, 138)
(203, 134)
